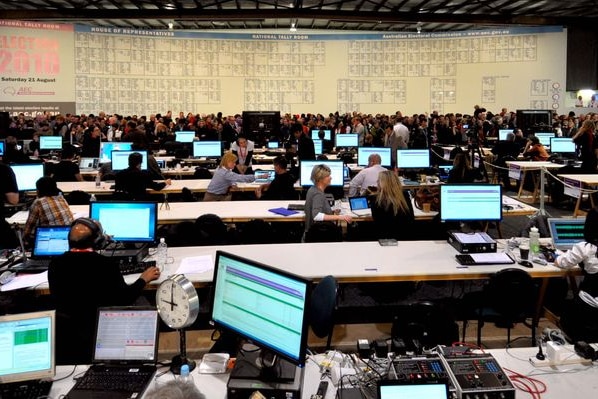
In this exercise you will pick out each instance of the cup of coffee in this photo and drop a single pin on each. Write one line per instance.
(524, 251)
(427, 207)
(422, 178)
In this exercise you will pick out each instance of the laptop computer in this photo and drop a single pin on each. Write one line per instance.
(443, 172)
(410, 389)
(49, 242)
(360, 206)
(161, 163)
(566, 232)
(264, 176)
(89, 163)
(125, 349)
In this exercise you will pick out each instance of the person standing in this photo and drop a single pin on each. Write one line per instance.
(10, 195)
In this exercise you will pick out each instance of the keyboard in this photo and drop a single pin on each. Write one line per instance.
(113, 381)
(26, 389)
(132, 268)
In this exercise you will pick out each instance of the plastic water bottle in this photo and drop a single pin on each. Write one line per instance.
(92, 198)
(161, 256)
(534, 241)
(98, 180)
(185, 378)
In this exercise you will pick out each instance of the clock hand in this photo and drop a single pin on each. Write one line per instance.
(168, 302)
(172, 297)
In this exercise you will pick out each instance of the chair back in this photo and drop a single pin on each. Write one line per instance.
(324, 232)
(322, 306)
(511, 293)
(211, 230)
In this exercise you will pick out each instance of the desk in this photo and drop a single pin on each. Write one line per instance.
(585, 181)
(529, 166)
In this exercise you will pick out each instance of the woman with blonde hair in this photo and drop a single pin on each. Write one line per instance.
(392, 211)
(224, 178)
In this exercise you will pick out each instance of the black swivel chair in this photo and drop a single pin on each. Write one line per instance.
(322, 307)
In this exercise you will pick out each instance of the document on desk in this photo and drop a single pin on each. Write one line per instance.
(473, 238)
(25, 281)
(196, 264)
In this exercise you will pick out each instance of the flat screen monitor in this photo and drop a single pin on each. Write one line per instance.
(315, 134)
(502, 134)
(263, 304)
(469, 202)
(27, 349)
(347, 140)
(363, 154)
(27, 175)
(207, 149)
(120, 159)
(418, 159)
(106, 148)
(185, 136)
(544, 138)
(112, 214)
(336, 169)
(273, 144)
(318, 146)
(562, 145)
(2, 147)
(50, 143)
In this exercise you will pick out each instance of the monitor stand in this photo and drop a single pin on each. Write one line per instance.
(283, 380)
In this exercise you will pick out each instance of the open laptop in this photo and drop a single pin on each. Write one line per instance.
(49, 242)
(89, 163)
(410, 389)
(161, 164)
(360, 206)
(264, 176)
(566, 232)
(124, 357)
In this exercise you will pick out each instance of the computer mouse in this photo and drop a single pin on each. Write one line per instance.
(526, 263)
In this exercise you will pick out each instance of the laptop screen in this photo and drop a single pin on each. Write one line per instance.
(396, 389)
(358, 203)
(566, 232)
(264, 176)
(51, 241)
(126, 334)
(89, 163)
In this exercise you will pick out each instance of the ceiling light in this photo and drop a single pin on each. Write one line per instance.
(293, 28)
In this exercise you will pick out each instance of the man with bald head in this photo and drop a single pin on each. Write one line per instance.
(81, 281)
(367, 177)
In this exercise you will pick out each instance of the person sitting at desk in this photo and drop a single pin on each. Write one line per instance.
(66, 169)
(49, 209)
(462, 172)
(327, 145)
(224, 178)
(317, 208)
(10, 194)
(80, 281)
(392, 211)
(140, 143)
(367, 177)
(134, 182)
(243, 149)
(13, 153)
(283, 185)
(534, 150)
(579, 319)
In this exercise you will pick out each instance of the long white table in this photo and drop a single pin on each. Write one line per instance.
(585, 181)
(531, 166)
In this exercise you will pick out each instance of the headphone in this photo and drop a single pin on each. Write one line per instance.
(96, 239)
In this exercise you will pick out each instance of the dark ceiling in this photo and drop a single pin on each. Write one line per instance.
(366, 15)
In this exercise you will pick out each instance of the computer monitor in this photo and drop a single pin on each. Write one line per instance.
(363, 154)
(502, 134)
(27, 350)
(562, 145)
(470, 202)
(50, 143)
(544, 138)
(318, 146)
(128, 222)
(273, 144)
(336, 170)
(410, 159)
(347, 140)
(315, 134)
(263, 304)
(106, 148)
(120, 159)
(207, 149)
(185, 136)
(2, 147)
(27, 175)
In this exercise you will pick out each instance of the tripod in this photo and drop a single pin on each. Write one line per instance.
(473, 149)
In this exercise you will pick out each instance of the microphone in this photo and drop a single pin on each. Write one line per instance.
(540, 354)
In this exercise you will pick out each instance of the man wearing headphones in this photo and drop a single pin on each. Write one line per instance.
(81, 280)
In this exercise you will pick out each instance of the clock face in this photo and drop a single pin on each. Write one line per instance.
(177, 302)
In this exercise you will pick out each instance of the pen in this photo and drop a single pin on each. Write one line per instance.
(371, 269)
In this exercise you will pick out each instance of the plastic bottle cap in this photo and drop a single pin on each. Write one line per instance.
(184, 370)
(162, 240)
(534, 229)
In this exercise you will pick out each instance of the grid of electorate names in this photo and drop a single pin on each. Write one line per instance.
(118, 72)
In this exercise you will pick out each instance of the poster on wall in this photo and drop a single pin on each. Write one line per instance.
(36, 68)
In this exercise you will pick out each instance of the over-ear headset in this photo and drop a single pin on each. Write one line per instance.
(96, 239)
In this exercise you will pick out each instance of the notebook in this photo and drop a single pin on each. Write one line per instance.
(126, 348)
(360, 206)
(566, 232)
(264, 176)
(49, 242)
(89, 163)
(409, 389)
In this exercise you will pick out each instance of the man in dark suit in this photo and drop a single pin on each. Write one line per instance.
(305, 145)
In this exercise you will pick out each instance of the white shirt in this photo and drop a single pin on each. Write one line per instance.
(242, 152)
(400, 130)
(364, 179)
(581, 252)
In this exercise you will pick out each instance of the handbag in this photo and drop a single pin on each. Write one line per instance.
(428, 195)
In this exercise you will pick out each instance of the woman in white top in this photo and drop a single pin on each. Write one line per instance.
(243, 149)
(580, 318)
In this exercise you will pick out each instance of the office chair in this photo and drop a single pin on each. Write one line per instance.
(508, 298)
(256, 231)
(211, 230)
(324, 232)
(78, 197)
(322, 307)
